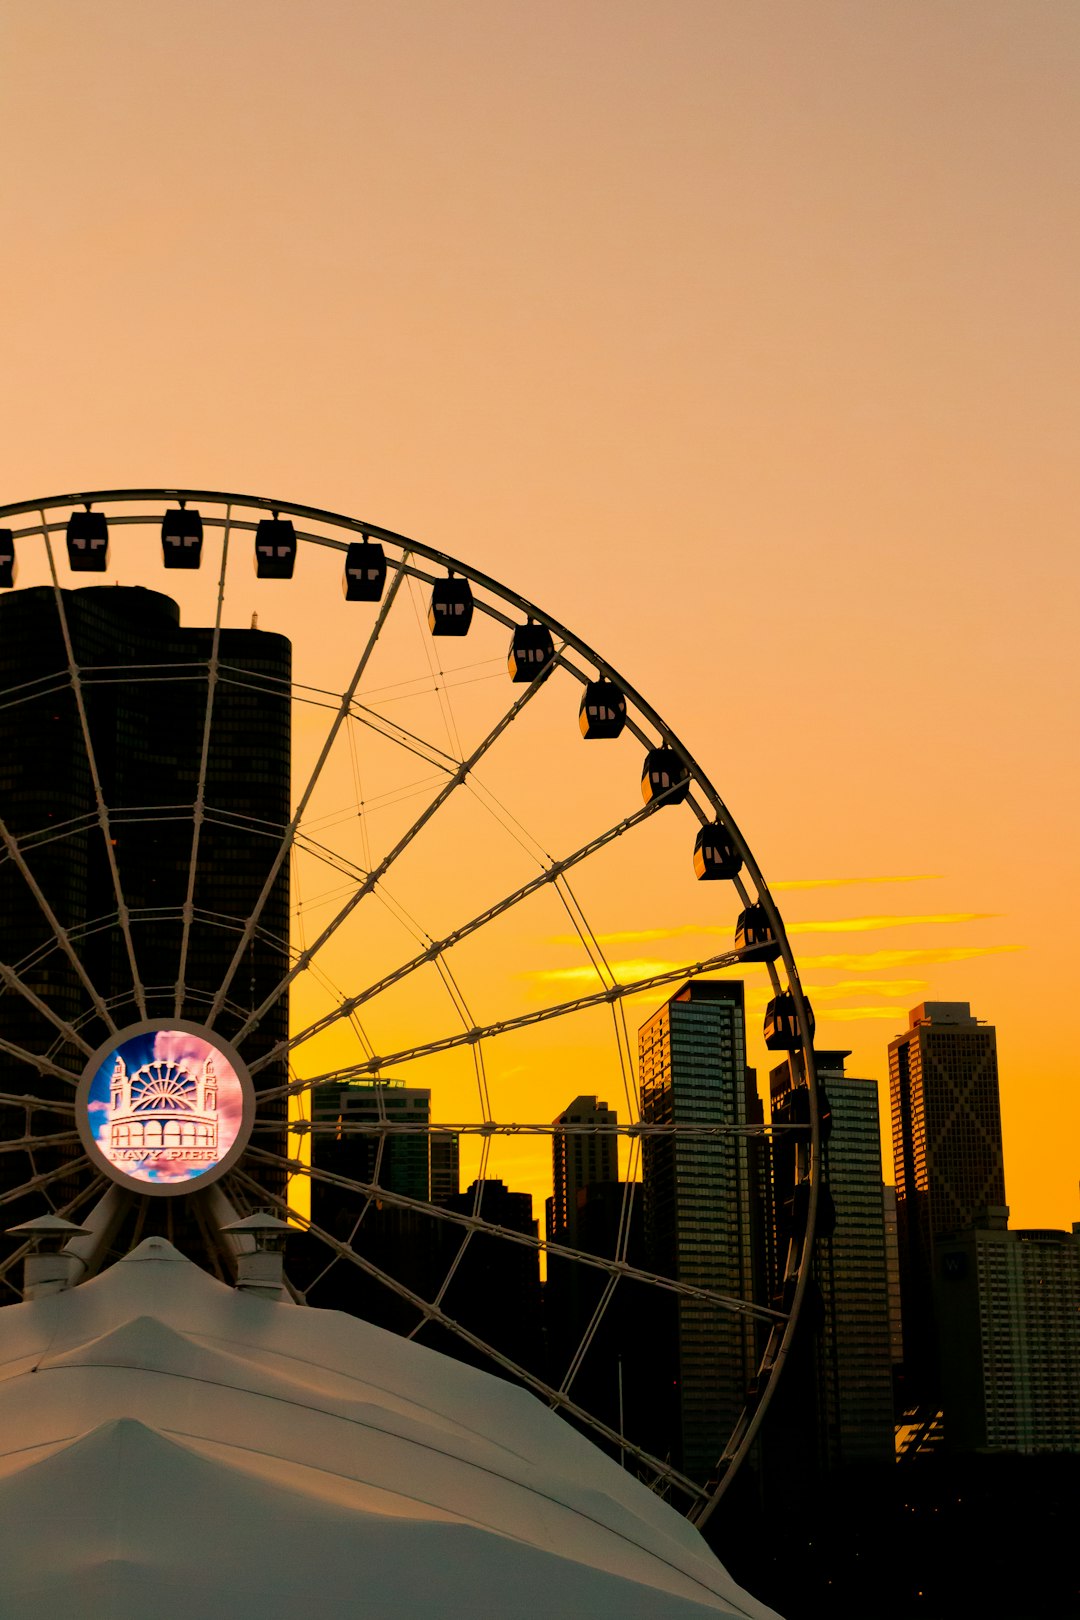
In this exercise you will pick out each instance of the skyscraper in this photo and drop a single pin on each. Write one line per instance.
(947, 1158)
(579, 1159)
(1009, 1312)
(144, 680)
(700, 1203)
(347, 1140)
(846, 1395)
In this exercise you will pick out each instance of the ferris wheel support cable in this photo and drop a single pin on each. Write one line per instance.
(53, 1105)
(388, 860)
(9, 977)
(294, 823)
(446, 1043)
(43, 1178)
(489, 914)
(16, 1144)
(199, 809)
(475, 1223)
(91, 760)
(34, 1060)
(11, 844)
(435, 1314)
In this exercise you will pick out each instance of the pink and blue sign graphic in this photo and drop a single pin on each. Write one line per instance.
(164, 1107)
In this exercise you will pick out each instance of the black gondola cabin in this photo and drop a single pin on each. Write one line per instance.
(782, 1025)
(364, 577)
(88, 542)
(8, 566)
(531, 651)
(275, 548)
(664, 776)
(715, 855)
(451, 609)
(181, 538)
(603, 710)
(753, 932)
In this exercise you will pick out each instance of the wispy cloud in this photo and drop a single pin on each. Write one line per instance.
(626, 971)
(854, 882)
(880, 987)
(851, 1014)
(835, 925)
(929, 956)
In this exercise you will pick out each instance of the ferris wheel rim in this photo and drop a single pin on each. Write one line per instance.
(409, 548)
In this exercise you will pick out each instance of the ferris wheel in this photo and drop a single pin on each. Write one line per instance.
(323, 851)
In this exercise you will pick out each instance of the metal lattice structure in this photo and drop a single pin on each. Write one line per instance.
(80, 978)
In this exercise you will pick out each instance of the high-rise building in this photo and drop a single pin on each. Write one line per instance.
(701, 1201)
(892, 1262)
(494, 1291)
(579, 1159)
(347, 1139)
(444, 1159)
(1009, 1313)
(947, 1158)
(846, 1400)
(144, 680)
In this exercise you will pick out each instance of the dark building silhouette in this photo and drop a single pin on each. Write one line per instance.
(495, 1288)
(836, 1402)
(947, 1158)
(579, 1159)
(444, 1159)
(1008, 1307)
(145, 678)
(607, 1362)
(703, 1205)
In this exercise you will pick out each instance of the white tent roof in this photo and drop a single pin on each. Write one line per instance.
(169, 1446)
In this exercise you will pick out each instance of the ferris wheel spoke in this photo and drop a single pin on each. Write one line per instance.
(614, 1268)
(63, 939)
(9, 977)
(440, 947)
(55, 1105)
(373, 877)
(25, 1144)
(290, 831)
(44, 1178)
(35, 1060)
(91, 760)
(436, 1314)
(541, 1015)
(199, 810)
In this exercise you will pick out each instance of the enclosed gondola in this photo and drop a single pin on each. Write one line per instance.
(797, 1207)
(531, 651)
(665, 778)
(364, 578)
(9, 568)
(603, 710)
(798, 1104)
(715, 854)
(451, 609)
(275, 548)
(754, 932)
(181, 537)
(88, 542)
(782, 1033)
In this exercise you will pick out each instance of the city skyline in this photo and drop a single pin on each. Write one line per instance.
(804, 474)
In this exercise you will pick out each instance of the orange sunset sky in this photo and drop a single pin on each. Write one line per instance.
(743, 338)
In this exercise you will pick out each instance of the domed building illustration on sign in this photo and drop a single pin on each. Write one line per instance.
(163, 1110)
(162, 1106)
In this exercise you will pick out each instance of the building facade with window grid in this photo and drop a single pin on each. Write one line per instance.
(703, 1203)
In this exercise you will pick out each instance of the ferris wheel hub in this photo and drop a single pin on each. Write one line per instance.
(165, 1107)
